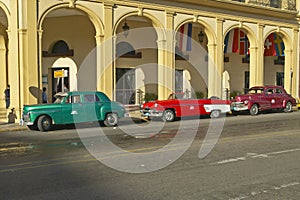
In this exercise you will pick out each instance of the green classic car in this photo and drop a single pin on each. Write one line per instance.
(71, 108)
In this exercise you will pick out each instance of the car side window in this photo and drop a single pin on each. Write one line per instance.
(270, 91)
(74, 99)
(278, 91)
(91, 98)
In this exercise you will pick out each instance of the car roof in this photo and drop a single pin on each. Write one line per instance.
(267, 86)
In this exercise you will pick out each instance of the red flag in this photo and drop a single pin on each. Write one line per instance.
(232, 41)
(270, 46)
(244, 44)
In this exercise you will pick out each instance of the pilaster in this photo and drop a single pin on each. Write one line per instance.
(256, 67)
(106, 69)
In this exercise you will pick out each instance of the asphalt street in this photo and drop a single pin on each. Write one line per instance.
(255, 157)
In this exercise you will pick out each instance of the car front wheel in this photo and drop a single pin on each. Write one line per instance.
(288, 107)
(168, 116)
(215, 114)
(254, 109)
(44, 123)
(111, 119)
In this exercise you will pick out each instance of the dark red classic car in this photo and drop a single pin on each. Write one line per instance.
(264, 98)
(181, 105)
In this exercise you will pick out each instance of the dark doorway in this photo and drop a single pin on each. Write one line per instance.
(125, 88)
(57, 82)
(246, 81)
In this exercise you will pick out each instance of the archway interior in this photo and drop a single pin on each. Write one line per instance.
(62, 38)
(191, 48)
(136, 61)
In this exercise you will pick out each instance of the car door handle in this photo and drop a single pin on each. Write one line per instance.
(74, 112)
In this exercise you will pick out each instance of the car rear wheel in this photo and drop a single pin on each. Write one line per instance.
(254, 109)
(168, 116)
(215, 114)
(44, 123)
(111, 119)
(288, 107)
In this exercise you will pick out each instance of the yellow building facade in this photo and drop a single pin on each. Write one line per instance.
(121, 47)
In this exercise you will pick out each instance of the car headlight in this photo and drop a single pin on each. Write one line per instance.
(246, 102)
(155, 105)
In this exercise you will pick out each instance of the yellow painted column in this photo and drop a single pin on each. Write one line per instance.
(161, 71)
(256, 67)
(216, 62)
(13, 58)
(295, 65)
(211, 84)
(219, 58)
(170, 55)
(106, 69)
(33, 90)
(3, 71)
(23, 71)
(288, 70)
(100, 61)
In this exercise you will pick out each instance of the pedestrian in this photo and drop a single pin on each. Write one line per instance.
(12, 116)
(7, 96)
(44, 96)
(66, 88)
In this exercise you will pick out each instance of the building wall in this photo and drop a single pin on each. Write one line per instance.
(31, 31)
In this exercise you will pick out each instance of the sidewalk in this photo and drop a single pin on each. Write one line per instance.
(5, 127)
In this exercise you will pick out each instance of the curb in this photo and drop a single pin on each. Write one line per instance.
(15, 127)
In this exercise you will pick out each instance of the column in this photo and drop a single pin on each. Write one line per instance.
(162, 70)
(106, 81)
(288, 70)
(2, 70)
(212, 71)
(216, 62)
(295, 65)
(256, 66)
(219, 58)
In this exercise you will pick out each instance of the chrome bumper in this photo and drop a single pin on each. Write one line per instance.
(25, 121)
(151, 113)
(238, 106)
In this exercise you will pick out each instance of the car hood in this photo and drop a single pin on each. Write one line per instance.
(28, 108)
(247, 97)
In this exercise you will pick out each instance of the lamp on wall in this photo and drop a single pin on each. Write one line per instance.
(125, 28)
(201, 36)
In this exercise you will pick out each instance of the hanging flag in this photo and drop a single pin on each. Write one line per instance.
(279, 45)
(269, 46)
(232, 41)
(244, 44)
(274, 45)
(185, 37)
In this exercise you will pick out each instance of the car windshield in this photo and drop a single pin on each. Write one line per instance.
(178, 96)
(59, 97)
(255, 90)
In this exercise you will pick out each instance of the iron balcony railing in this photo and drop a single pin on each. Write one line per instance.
(281, 4)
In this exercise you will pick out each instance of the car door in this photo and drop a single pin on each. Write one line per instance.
(92, 107)
(279, 96)
(270, 97)
(73, 109)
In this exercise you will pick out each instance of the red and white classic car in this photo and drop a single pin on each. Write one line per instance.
(264, 98)
(180, 105)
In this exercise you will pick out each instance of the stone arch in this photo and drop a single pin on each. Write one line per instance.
(289, 61)
(285, 38)
(247, 30)
(209, 33)
(7, 13)
(98, 25)
(161, 34)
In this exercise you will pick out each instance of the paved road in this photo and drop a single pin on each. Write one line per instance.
(254, 158)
